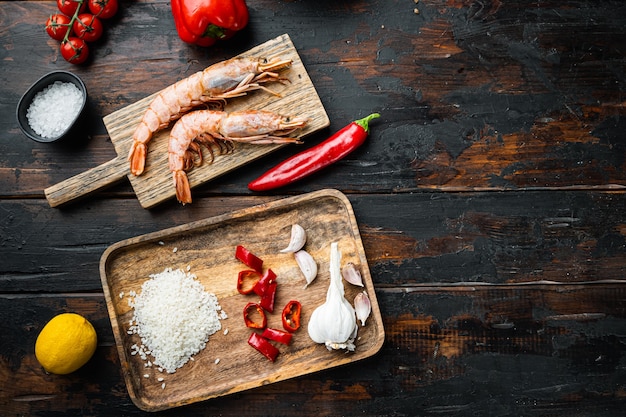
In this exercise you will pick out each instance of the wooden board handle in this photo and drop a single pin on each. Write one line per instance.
(87, 182)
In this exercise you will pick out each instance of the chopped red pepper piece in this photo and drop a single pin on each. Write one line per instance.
(277, 335)
(262, 345)
(246, 280)
(267, 299)
(263, 284)
(291, 316)
(266, 289)
(251, 309)
(248, 258)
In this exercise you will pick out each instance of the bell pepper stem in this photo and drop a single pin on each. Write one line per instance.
(214, 31)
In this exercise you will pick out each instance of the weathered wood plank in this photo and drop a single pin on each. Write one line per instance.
(507, 350)
(409, 239)
(497, 165)
(473, 95)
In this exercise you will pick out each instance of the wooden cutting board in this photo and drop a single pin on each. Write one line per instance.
(298, 97)
(207, 248)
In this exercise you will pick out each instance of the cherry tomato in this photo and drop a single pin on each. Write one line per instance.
(68, 7)
(88, 27)
(75, 50)
(57, 26)
(104, 9)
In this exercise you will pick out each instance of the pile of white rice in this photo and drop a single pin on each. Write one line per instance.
(174, 317)
(54, 108)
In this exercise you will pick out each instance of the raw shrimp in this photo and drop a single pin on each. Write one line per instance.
(227, 79)
(218, 129)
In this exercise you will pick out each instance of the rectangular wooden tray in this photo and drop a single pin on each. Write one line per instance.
(208, 248)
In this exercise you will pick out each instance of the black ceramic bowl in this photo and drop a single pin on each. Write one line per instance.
(40, 85)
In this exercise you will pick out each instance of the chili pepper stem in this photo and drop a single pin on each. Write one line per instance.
(364, 122)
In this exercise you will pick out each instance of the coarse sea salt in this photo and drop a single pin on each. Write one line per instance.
(53, 109)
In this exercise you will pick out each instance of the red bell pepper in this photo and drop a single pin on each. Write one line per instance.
(291, 316)
(246, 280)
(263, 346)
(248, 258)
(204, 22)
(254, 323)
(277, 335)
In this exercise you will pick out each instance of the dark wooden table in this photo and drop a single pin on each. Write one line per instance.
(490, 197)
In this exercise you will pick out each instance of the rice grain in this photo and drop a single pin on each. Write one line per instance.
(174, 317)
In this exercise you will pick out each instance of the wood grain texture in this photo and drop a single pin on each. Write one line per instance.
(473, 95)
(514, 238)
(490, 197)
(207, 247)
(87, 183)
(500, 350)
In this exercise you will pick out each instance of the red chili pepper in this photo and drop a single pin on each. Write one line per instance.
(266, 289)
(267, 299)
(263, 284)
(314, 159)
(248, 258)
(291, 316)
(203, 22)
(252, 308)
(264, 346)
(246, 280)
(277, 335)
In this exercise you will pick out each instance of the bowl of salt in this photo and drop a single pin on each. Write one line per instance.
(52, 106)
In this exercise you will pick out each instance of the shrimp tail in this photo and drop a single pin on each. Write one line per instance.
(137, 158)
(139, 146)
(183, 190)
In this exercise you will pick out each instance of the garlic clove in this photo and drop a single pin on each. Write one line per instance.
(297, 241)
(362, 306)
(307, 265)
(351, 274)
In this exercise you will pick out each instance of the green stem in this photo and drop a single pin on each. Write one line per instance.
(73, 19)
(214, 31)
(364, 122)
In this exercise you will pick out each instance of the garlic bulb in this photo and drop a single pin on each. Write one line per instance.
(362, 306)
(334, 322)
(297, 241)
(307, 265)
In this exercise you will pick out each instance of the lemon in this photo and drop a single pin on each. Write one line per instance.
(66, 343)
